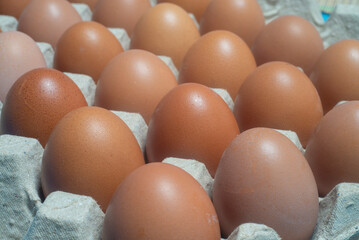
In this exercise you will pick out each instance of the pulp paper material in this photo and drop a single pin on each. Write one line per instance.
(86, 85)
(48, 53)
(122, 37)
(170, 64)
(83, 10)
(8, 23)
(253, 231)
(225, 96)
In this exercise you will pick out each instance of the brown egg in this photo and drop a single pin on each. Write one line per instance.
(18, 55)
(290, 39)
(90, 3)
(120, 13)
(165, 29)
(263, 178)
(242, 17)
(219, 59)
(86, 47)
(12, 7)
(278, 95)
(160, 201)
(134, 81)
(47, 20)
(332, 150)
(336, 73)
(192, 122)
(196, 7)
(90, 152)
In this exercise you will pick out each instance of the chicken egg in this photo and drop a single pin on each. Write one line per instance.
(13, 7)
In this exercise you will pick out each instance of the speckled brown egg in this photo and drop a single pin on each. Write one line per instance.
(86, 47)
(90, 3)
(332, 150)
(278, 95)
(120, 13)
(290, 39)
(192, 122)
(160, 201)
(37, 101)
(242, 17)
(12, 7)
(134, 81)
(263, 178)
(47, 20)
(90, 152)
(165, 29)
(336, 73)
(219, 59)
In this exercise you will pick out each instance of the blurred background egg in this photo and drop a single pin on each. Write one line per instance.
(336, 73)
(165, 29)
(37, 101)
(289, 39)
(47, 20)
(134, 81)
(90, 3)
(219, 59)
(18, 55)
(120, 13)
(90, 152)
(263, 178)
(242, 17)
(160, 201)
(12, 7)
(278, 95)
(86, 47)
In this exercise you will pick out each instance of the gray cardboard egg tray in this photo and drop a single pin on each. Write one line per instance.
(69, 216)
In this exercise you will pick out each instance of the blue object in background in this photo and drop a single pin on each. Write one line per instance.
(325, 16)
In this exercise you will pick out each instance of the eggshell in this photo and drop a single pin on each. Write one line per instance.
(219, 59)
(263, 178)
(278, 95)
(18, 55)
(160, 201)
(47, 20)
(120, 13)
(191, 122)
(12, 7)
(165, 29)
(332, 150)
(336, 73)
(90, 3)
(90, 152)
(134, 81)
(86, 47)
(242, 17)
(290, 39)
(37, 101)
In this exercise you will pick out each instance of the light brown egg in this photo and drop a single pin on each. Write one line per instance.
(134, 81)
(37, 101)
(165, 29)
(289, 39)
(336, 73)
(90, 3)
(86, 47)
(12, 7)
(160, 201)
(18, 55)
(47, 20)
(192, 122)
(263, 178)
(219, 59)
(332, 150)
(242, 17)
(120, 13)
(90, 152)
(278, 95)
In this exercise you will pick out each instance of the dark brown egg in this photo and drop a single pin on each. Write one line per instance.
(332, 150)
(192, 122)
(90, 3)
(37, 101)
(86, 47)
(47, 20)
(12, 7)
(242, 17)
(160, 201)
(263, 178)
(120, 13)
(219, 59)
(278, 95)
(289, 39)
(336, 73)
(134, 81)
(90, 152)
(165, 29)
